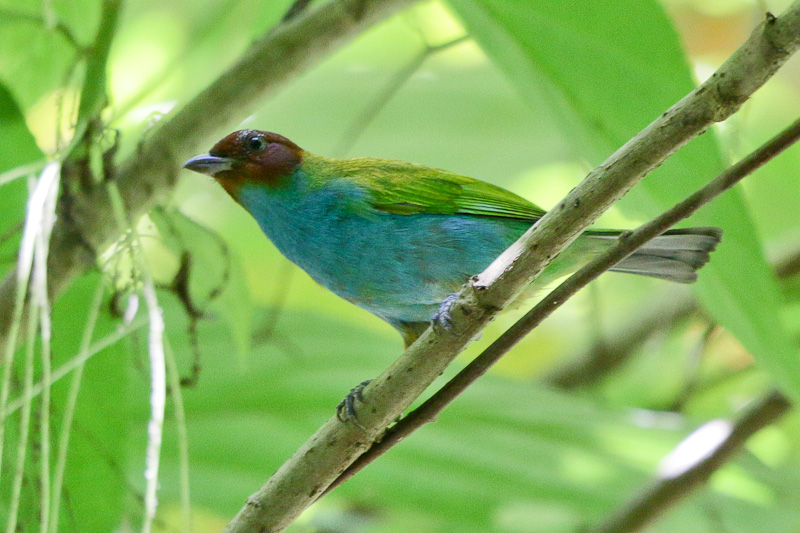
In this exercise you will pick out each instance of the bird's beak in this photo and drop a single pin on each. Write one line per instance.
(209, 164)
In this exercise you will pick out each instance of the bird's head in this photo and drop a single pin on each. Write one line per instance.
(249, 156)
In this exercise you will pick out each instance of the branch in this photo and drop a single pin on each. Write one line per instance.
(667, 491)
(430, 409)
(319, 461)
(86, 223)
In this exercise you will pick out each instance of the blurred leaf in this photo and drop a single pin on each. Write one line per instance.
(19, 146)
(96, 486)
(502, 450)
(24, 42)
(269, 15)
(216, 281)
(19, 149)
(606, 69)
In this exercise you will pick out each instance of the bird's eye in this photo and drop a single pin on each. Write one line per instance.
(256, 143)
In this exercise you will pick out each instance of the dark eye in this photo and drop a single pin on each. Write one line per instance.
(256, 143)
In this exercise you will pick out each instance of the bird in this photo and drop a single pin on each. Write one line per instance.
(399, 239)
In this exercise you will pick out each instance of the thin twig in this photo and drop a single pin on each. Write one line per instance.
(79, 360)
(60, 27)
(20, 172)
(692, 367)
(158, 398)
(157, 359)
(667, 491)
(429, 410)
(280, 295)
(215, 17)
(24, 426)
(38, 202)
(183, 437)
(368, 114)
(41, 302)
(93, 94)
(10, 232)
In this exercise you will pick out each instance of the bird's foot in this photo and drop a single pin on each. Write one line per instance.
(442, 317)
(346, 410)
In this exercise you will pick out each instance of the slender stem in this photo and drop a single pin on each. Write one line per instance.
(157, 358)
(24, 426)
(60, 27)
(216, 17)
(20, 172)
(78, 361)
(41, 301)
(183, 438)
(93, 95)
(429, 410)
(368, 114)
(42, 194)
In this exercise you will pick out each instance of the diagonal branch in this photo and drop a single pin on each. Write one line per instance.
(318, 462)
(429, 410)
(86, 223)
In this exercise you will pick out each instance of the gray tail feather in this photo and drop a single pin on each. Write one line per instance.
(676, 255)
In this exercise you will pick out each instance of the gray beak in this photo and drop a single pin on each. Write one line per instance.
(209, 164)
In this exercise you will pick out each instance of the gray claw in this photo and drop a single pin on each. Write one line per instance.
(346, 410)
(442, 317)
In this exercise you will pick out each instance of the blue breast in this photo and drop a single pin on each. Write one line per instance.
(399, 267)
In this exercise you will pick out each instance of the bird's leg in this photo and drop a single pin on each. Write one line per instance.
(442, 317)
(346, 410)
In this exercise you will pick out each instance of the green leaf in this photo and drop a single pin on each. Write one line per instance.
(95, 485)
(603, 71)
(19, 146)
(19, 149)
(504, 449)
(25, 43)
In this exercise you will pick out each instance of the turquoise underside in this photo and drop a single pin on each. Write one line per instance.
(398, 267)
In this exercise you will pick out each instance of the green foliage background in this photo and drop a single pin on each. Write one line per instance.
(540, 93)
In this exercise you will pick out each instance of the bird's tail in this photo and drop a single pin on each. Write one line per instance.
(676, 255)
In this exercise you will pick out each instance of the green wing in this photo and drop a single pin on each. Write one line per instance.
(405, 189)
